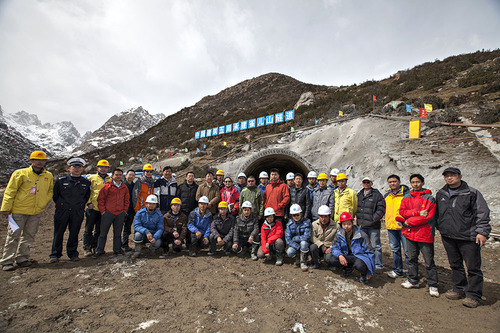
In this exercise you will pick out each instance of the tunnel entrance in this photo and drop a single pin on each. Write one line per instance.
(282, 159)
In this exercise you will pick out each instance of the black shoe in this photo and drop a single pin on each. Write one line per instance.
(74, 258)
(127, 248)
(347, 272)
(97, 255)
(119, 253)
(26, 263)
(363, 279)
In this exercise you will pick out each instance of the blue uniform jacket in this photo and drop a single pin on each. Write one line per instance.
(360, 246)
(145, 222)
(297, 232)
(196, 222)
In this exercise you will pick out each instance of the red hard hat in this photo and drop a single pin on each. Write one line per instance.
(345, 217)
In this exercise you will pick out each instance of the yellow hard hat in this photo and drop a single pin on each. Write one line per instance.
(341, 176)
(219, 173)
(38, 155)
(322, 176)
(147, 167)
(103, 163)
(176, 201)
(223, 204)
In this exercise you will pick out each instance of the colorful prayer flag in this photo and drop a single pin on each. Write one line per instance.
(292, 129)
(225, 143)
(204, 146)
(121, 162)
(422, 113)
(428, 107)
(140, 159)
(374, 98)
(315, 121)
(408, 108)
(341, 113)
(182, 159)
(394, 105)
(186, 150)
(197, 150)
(157, 157)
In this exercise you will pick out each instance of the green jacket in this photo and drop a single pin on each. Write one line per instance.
(254, 195)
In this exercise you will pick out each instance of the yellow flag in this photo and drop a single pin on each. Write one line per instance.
(341, 113)
(414, 129)
(157, 157)
(428, 107)
(225, 143)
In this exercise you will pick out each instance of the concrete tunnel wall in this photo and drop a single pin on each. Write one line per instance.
(283, 159)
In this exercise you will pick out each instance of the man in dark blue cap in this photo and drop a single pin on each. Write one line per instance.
(463, 219)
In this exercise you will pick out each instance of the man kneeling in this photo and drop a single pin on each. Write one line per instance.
(351, 248)
(271, 238)
(175, 228)
(148, 226)
(221, 230)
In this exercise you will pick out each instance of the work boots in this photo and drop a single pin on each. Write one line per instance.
(279, 258)
(137, 251)
(303, 263)
(253, 254)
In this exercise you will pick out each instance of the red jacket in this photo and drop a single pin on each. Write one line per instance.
(269, 234)
(277, 196)
(232, 198)
(113, 199)
(420, 228)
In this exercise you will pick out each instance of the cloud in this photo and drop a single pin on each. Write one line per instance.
(87, 60)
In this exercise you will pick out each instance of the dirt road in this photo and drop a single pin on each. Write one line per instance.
(228, 294)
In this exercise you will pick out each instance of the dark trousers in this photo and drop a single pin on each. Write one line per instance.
(213, 244)
(352, 262)
(243, 242)
(317, 252)
(459, 251)
(277, 247)
(196, 242)
(71, 219)
(127, 228)
(92, 229)
(427, 250)
(168, 238)
(107, 220)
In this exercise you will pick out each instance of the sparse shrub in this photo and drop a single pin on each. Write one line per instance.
(488, 116)
(219, 151)
(457, 100)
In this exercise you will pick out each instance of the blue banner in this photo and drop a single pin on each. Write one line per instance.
(228, 128)
(279, 117)
(222, 129)
(244, 125)
(197, 135)
(270, 119)
(215, 131)
(261, 121)
(289, 115)
(202, 134)
(252, 123)
(209, 132)
(236, 127)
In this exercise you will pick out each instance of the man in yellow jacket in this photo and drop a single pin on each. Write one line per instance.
(26, 196)
(93, 215)
(393, 197)
(346, 199)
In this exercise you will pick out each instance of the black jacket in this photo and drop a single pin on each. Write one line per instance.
(130, 190)
(463, 215)
(301, 197)
(371, 209)
(187, 193)
(223, 228)
(71, 193)
(165, 191)
(244, 228)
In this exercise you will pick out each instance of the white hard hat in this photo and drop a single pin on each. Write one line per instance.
(334, 172)
(295, 209)
(324, 210)
(246, 204)
(152, 199)
(203, 199)
(241, 174)
(269, 211)
(312, 174)
(290, 175)
(263, 174)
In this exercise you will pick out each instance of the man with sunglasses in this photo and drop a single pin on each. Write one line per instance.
(252, 194)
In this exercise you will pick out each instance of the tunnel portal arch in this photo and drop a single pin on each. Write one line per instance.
(283, 159)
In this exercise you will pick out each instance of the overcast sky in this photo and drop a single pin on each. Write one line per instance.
(87, 60)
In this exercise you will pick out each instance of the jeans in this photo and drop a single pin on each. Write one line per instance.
(17, 244)
(107, 220)
(427, 250)
(459, 251)
(396, 239)
(277, 247)
(303, 247)
(213, 244)
(141, 238)
(374, 235)
(127, 228)
(352, 262)
(317, 252)
(66, 219)
(90, 236)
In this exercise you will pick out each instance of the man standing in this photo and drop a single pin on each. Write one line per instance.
(71, 194)
(187, 193)
(253, 195)
(264, 180)
(211, 191)
(230, 195)
(276, 195)
(300, 195)
(322, 195)
(219, 179)
(346, 199)
(28, 192)
(333, 178)
(129, 218)
(165, 189)
(323, 232)
(464, 223)
(242, 182)
(312, 180)
(371, 209)
(393, 199)
(417, 211)
(93, 220)
(143, 188)
(113, 202)
(289, 179)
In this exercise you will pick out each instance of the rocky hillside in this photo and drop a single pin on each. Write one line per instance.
(121, 127)
(59, 138)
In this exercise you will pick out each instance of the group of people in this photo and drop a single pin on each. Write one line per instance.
(329, 223)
